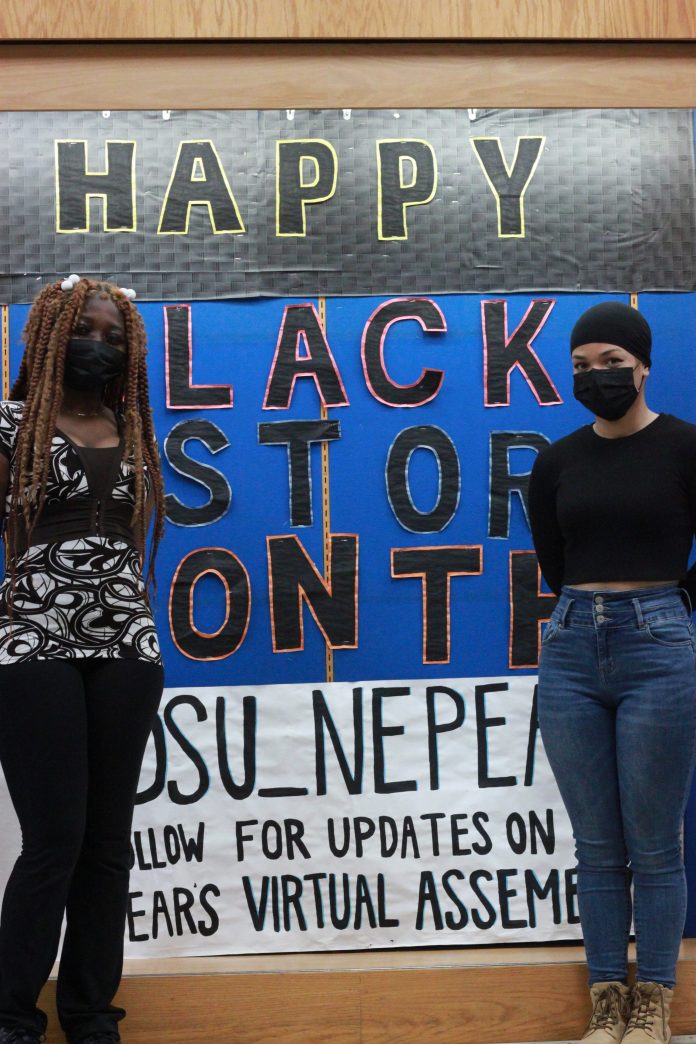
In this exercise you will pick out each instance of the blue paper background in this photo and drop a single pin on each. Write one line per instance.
(235, 341)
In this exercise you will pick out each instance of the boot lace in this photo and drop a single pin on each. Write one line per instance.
(644, 1010)
(608, 1009)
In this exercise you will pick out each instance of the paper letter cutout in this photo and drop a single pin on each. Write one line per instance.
(292, 576)
(502, 353)
(509, 185)
(220, 494)
(301, 322)
(182, 394)
(189, 640)
(401, 450)
(198, 180)
(503, 483)
(298, 436)
(529, 608)
(293, 193)
(75, 185)
(379, 383)
(399, 188)
(435, 566)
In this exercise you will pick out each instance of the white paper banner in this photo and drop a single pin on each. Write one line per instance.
(346, 815)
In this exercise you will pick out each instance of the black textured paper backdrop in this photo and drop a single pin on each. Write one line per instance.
(610, 206)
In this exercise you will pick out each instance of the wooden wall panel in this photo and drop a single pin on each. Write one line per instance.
(414, 997)
(325, 75)
(358, 19)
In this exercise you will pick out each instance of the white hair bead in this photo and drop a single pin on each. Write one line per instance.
(70, 282)
(129, 293)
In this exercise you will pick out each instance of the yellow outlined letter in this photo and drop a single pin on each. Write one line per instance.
(509, 184)
(76, 185)
(291, 185)
(394, 192)
(199, 179)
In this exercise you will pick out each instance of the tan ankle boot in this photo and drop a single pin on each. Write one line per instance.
(611, 1004)
(647, 1023)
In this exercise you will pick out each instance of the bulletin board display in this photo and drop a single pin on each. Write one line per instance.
(350, 381)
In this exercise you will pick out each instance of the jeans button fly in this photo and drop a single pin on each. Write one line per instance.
(599, 600)
(600, 618)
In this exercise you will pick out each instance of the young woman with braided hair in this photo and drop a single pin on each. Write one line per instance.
(80, 669)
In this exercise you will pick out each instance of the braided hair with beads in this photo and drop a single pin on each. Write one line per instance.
(39, 385)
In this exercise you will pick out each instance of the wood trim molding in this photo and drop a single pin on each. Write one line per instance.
(332, 75)
(358, 20)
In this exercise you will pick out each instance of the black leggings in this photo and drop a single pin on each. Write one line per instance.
(72, 738)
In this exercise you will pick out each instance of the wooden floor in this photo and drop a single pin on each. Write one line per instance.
(478, 995)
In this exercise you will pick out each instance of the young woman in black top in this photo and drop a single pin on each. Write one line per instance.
(613, 515)
(80, 666)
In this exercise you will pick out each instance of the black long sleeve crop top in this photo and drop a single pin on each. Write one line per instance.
(616, 509)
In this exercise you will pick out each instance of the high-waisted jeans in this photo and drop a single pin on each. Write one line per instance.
(617, 714)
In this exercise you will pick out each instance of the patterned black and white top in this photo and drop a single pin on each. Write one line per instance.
(77, 598)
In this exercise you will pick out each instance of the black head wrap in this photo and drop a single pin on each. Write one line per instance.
(612, 322)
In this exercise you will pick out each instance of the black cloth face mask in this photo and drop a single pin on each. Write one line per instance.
(91, 364)
(606, 393)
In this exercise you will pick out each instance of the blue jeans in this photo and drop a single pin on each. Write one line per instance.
(617, 714)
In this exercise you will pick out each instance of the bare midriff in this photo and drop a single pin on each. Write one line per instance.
(622, 585)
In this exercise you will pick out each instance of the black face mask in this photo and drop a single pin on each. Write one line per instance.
(606, 393)
(91, 364)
